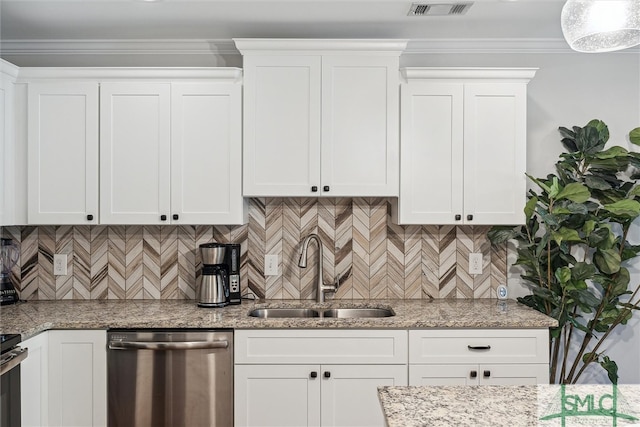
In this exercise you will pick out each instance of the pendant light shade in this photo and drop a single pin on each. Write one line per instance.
(601, 25)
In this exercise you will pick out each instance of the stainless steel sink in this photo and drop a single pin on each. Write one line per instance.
(360, 312)
(266, 313)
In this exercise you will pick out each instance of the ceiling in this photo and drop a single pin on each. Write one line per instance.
(48, 20)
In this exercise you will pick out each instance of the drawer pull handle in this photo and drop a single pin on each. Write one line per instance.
(325, 188)
(479, 347)
(487, 374)
(327, 374)
(176, 216)
(314, 374)
(473, 374)
(89, 217)
(469, 217)
(458, 217)
(163, 217)
(314, 188)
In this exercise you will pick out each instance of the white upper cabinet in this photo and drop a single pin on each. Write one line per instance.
(8, 74)
(62, 153)
(206, 154)
(320, 117)
(463, 145)
(135, 153)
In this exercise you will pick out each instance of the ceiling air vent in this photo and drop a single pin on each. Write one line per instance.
(438, 9)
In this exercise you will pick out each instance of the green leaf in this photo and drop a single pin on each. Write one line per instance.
(555, 188)
(566, 235)
(530, 207)
(611, 153)
(608, 260)
(612, 369)
(540, 184)
(588, 227)
(602, 238)
(500, 234)
(596, 183)
(635, 191)
(576, 192)
(563, 274)
(583, 271)
(601, 127)
(634, 136)
(626, 208)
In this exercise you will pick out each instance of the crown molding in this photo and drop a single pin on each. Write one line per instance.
(118, 47)
(228, 46)
(257, 46)
(467, 74)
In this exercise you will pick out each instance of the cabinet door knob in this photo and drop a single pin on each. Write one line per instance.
(469, 217)
(327, 374)
(458, 217)
(163, 217)
(314, 189)
(479, 347)
(325, 188)
(89, 217)
(486, 374)
(176, 216)
(313, 374)
(473, 374)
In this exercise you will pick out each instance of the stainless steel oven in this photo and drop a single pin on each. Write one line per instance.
(11, 355)
(170, 378)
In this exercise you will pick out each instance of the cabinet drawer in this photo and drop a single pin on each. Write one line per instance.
(479, 346)
(321, 346)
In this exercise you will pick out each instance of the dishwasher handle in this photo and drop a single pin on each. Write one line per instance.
(167, 345)
(12, 359)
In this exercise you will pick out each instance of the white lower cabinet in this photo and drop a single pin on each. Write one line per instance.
(315, 377)
(479, 356)
(64, 379)
(34, 380)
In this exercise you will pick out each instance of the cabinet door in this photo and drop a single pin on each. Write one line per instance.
(135, 152)
(206, 154)
(443, 375)
(281, 125)
(495, 152)
(520, 374)
(78, 378)
(34, 374)
(5, 100)
(350, 393)
(277, 395)
(431, 189)
(63, 153)
(360, 141)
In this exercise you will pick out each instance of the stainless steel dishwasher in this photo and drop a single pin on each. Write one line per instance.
(170, 378)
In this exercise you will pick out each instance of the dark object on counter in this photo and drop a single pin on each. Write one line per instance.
(9, 255)
(219, 284)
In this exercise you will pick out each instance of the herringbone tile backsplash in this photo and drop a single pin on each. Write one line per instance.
(369, 255)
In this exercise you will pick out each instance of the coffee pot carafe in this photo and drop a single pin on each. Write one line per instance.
(9, 254)
(213, 289)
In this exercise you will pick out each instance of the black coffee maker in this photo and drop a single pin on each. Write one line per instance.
(9, 254)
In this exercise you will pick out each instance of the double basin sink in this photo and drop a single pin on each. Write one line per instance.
(343, 313)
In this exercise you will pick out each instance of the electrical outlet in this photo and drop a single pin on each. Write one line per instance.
(271, 265)
(59, 264)
(475, 263)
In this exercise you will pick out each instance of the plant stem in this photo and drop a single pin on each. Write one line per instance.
(566, 345)
(554, 359)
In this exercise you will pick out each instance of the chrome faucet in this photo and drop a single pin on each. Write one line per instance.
(321, 288)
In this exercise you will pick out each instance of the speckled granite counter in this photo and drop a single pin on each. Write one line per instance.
(459, 406)
(510, 405)
(32, 317)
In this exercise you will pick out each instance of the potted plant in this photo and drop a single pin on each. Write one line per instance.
(573, 249)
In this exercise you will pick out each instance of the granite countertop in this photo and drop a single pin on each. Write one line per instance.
(30, 318)
(460, 406)
(509, 405)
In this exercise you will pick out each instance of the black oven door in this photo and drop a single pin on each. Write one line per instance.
(10, 387)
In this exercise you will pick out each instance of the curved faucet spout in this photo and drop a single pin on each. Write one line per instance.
(321, 288)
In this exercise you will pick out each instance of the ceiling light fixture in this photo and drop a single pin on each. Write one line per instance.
(601, 25)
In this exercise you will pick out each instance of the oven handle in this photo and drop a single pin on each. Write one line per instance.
(163, 345)
(12, 359)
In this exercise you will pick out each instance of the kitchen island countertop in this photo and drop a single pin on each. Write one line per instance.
(30, 318)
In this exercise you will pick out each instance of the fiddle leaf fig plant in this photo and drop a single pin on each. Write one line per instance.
(573, 249)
